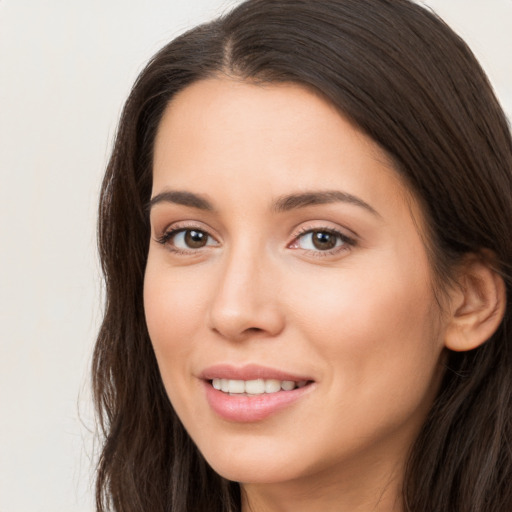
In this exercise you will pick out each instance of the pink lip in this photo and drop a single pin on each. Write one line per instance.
(248, 372)
(246, 408)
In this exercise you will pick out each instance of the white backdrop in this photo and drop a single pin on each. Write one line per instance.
(66, 67)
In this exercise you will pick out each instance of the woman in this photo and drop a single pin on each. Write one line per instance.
(305, 233)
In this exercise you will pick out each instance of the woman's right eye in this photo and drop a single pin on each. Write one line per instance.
(187, 239)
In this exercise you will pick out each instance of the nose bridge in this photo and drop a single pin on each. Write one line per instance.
(245, 300)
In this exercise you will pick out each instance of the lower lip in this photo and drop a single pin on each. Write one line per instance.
(246, 408)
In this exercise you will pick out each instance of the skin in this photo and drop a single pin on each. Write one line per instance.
(361, 320)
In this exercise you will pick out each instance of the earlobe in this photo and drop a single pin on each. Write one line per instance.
(477, 306)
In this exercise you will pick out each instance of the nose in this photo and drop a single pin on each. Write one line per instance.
(246, 301)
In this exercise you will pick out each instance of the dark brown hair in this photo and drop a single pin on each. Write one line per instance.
(400, 74)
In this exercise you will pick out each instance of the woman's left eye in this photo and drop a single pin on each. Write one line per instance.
(321, 240)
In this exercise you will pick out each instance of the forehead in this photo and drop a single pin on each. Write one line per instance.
(270, 138)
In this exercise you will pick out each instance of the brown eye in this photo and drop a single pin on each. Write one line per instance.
(188, 239)
(324, 240)
(321, 240)
(195, 239)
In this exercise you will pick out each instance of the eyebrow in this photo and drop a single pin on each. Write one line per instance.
(305, 199)
(181, 197)
(282, 204)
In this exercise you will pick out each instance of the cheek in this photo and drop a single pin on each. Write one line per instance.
(379, 326)
(172, 306)
(381, 340)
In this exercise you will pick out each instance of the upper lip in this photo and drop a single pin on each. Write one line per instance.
(249, 372)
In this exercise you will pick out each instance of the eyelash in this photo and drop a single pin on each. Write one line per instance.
(347, 242)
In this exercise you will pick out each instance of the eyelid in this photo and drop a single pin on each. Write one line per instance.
(184, 225)
(319, 225)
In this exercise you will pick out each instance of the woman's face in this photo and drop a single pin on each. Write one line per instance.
(286, 267)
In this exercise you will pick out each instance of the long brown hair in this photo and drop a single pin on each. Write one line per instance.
(400, 74)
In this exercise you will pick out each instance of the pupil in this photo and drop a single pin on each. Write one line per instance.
(324, 240)
(195, 239)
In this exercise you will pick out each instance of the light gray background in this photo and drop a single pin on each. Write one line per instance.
(65, 69)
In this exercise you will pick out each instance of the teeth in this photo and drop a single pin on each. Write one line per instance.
(272, 386)
(288, 385)
(255, 387)
(236, 386)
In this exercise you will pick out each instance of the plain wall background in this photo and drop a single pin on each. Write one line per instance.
(66, 67)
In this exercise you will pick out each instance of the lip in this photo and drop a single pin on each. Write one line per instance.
(249, 372)
(246, 408)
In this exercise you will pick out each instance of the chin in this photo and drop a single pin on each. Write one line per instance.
(253, 473)
(269, 464)
(257, 468)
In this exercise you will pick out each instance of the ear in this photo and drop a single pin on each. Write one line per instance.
(477, 305)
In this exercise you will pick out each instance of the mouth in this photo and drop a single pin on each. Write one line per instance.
(253, 393)
(255, 387)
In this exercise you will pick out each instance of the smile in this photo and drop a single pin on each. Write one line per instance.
(255, 387)
(253, 393)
